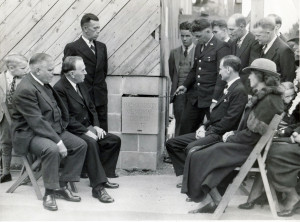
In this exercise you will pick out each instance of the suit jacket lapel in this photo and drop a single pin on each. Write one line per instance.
(71, 91)
(177, 57)
(273, 50)
(245, 43)
(230, 90)
(41, 89)
(209, 47)
(84, 48)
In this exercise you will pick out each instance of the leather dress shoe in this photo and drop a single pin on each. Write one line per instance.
(261, 200)
(84, 175)
(101, 194)
(167, 160)
(289, 213)
(208, 208)
(179, 185)
(66, 194)
(113, 176)
(246, 206)
(110, 185)
(49, 202)
(5, 178)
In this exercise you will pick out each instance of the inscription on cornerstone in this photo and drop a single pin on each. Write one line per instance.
(140, 115)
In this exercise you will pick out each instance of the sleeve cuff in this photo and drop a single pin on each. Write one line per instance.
(214, 101)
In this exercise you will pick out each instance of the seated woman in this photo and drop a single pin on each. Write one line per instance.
(285, 129)
(207, 167)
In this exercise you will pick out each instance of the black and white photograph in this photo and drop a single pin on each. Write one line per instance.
(149, 110)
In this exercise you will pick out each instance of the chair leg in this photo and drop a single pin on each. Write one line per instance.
(273, 205)
(73, 187)
(22, 177)
(32, 178)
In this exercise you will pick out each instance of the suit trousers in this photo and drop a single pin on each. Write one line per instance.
(51, 159)
(93, 163)
(192, 118)
(109, 153)
(5, 145)
(102, 116)
(178, 106)
(179, 147)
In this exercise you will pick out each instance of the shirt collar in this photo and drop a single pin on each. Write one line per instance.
(227, 39)
(36, 79)
(189, 48)
(269, 45)
(209, 40)
(72, 83)
(243, 37)
(88, 42)
(232, 81)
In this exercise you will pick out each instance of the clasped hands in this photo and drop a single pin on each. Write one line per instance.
(96, 133)
(295, 137)
(200, 133)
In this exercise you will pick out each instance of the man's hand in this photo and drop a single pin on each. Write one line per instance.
(200, 133)
(180, 90)
(295, 137)
(92, 135)
(62, 149)
(226, 135)
(100, 132)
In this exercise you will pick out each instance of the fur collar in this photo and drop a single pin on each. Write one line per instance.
(260, 94)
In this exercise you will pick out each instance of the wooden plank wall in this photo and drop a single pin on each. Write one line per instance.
(129, 28)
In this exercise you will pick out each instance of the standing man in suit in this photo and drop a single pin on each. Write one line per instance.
(103, 148)
(181, 61)
(278, 23)
(225, 116)
(39, 121)
(244, 45)
(94, 55)
(275, 49)
(17, 67)
(203, 76)
(220, 30)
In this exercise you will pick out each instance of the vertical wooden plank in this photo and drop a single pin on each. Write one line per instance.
(7, 7)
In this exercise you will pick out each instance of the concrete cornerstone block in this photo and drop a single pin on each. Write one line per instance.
(131, 160)
(114, 103)
(148, 143)
(142, 86)
(114, 122)
(114, 84)
(129, 142)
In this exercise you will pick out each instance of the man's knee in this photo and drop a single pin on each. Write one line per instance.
(169, 144)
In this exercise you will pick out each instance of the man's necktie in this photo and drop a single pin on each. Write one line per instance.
(225, 89)
(239, 43)
(202, 48)
(185, 51)
(12, 90)
(93, 49)
(78, 91)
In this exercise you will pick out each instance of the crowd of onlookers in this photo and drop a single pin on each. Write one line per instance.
(227, 85)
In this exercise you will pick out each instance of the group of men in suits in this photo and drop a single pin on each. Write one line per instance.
(66, 123)
(223, 48)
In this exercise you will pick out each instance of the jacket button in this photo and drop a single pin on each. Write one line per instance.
(198, 76)
(199, 68)
(200, 60)
(198, 84)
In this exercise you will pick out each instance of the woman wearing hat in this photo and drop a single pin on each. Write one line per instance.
(206, 168)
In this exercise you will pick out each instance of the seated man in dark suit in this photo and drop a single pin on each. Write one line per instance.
(224, 117)
(103, 148)
(39, 121)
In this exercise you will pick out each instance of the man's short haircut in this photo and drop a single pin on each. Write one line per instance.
(277, 18)
(232, 61)
(87, 18)
(219, 22)
(265, 23)
(239, 19)
(39, 58)
(14, 60)
(185, 26)
(200, 24)
(69, 64)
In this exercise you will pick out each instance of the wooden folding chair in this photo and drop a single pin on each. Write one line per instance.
(256, 154)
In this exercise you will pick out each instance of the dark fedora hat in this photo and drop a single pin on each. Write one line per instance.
(263, 65)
